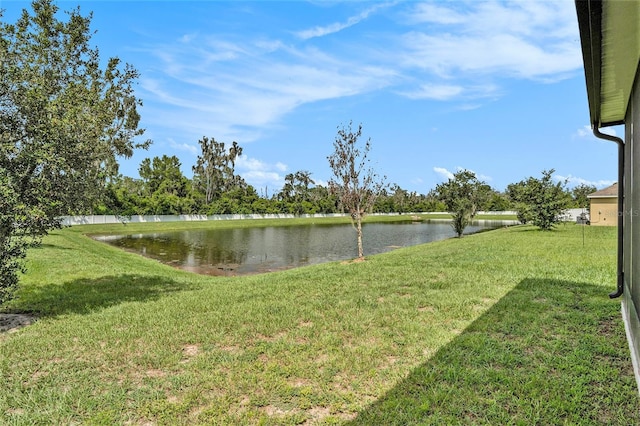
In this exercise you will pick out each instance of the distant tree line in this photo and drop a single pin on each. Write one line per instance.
(216, 188)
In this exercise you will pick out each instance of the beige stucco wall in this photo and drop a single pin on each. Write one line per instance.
(631, 240)
(604, 211)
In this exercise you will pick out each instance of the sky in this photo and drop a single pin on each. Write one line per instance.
(493, 87)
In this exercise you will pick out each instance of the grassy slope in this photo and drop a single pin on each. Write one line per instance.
(507, 326)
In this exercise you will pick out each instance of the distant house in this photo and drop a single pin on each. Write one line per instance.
(603, 210)
(610, 41)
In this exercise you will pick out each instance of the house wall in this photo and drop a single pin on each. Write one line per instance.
(604, 211)
(631, 268)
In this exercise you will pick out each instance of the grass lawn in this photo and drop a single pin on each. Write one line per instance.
(512, 326)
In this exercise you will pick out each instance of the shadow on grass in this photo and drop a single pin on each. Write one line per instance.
(88, 295)
(549, 352)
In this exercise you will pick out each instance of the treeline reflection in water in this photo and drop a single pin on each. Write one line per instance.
(242, 251)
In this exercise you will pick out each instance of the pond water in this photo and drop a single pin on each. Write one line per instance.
(242, 251)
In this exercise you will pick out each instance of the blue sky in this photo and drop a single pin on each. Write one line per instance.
(489, 86)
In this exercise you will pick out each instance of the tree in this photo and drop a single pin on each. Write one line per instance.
(579, 195)
(123, 198)
(497, 202)
(215, 168)
(356, 185)
(64, 120)
(431, 203)
(462, 196)
(323, 200)
(296, 193)
(517, 194)
(166, 188)
(540, 201)
(400, 198)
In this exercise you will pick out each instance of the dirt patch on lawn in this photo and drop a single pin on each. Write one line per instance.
(10, 323)
(356, 260)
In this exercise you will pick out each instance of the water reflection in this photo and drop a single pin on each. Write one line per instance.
(241, 251)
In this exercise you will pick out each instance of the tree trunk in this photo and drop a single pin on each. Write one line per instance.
(359, 231)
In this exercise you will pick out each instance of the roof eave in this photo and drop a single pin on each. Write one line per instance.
(590, 27)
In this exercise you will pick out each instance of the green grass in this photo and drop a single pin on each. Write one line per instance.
(512, 326)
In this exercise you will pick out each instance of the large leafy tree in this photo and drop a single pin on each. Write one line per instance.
(463, 194)
(355, 184)
(540, 201)
(65, 118)
(124, 197)
(579, 195)
(166, 188)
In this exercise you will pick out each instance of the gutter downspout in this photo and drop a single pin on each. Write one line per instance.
(620, 286)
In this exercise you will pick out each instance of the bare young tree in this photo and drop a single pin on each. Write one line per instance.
(356, 185)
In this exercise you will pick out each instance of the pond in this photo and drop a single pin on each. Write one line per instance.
(242, 251)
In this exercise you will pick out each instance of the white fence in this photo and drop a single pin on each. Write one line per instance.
(102, 219)
(571, 216)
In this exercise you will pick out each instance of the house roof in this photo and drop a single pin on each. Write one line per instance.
(610, 38)
(608, 192)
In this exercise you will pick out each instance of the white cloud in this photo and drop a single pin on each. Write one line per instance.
(444, 173)
(480, 177)
(184, 147)
(321, 182)
(574, 180)
(240, 99)
(429, 12)
(484, 178)
(531, 40)
(434, 91)
(583, 132)
(238, 87)
(335, 27)
(609, 131)
(446, 92)
(557, 19)
(186, 38)
(502, 54)
(259, 173)
(586, 132)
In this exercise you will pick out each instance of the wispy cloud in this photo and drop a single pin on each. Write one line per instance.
(241, 98)
(505, 54)
(320, 31)
(446, 174)
(435, 13)
(238, 88)
(587, 132)
(193, 149)
(445, 92)
(531, 40)
(434, 91)
(574, 181)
